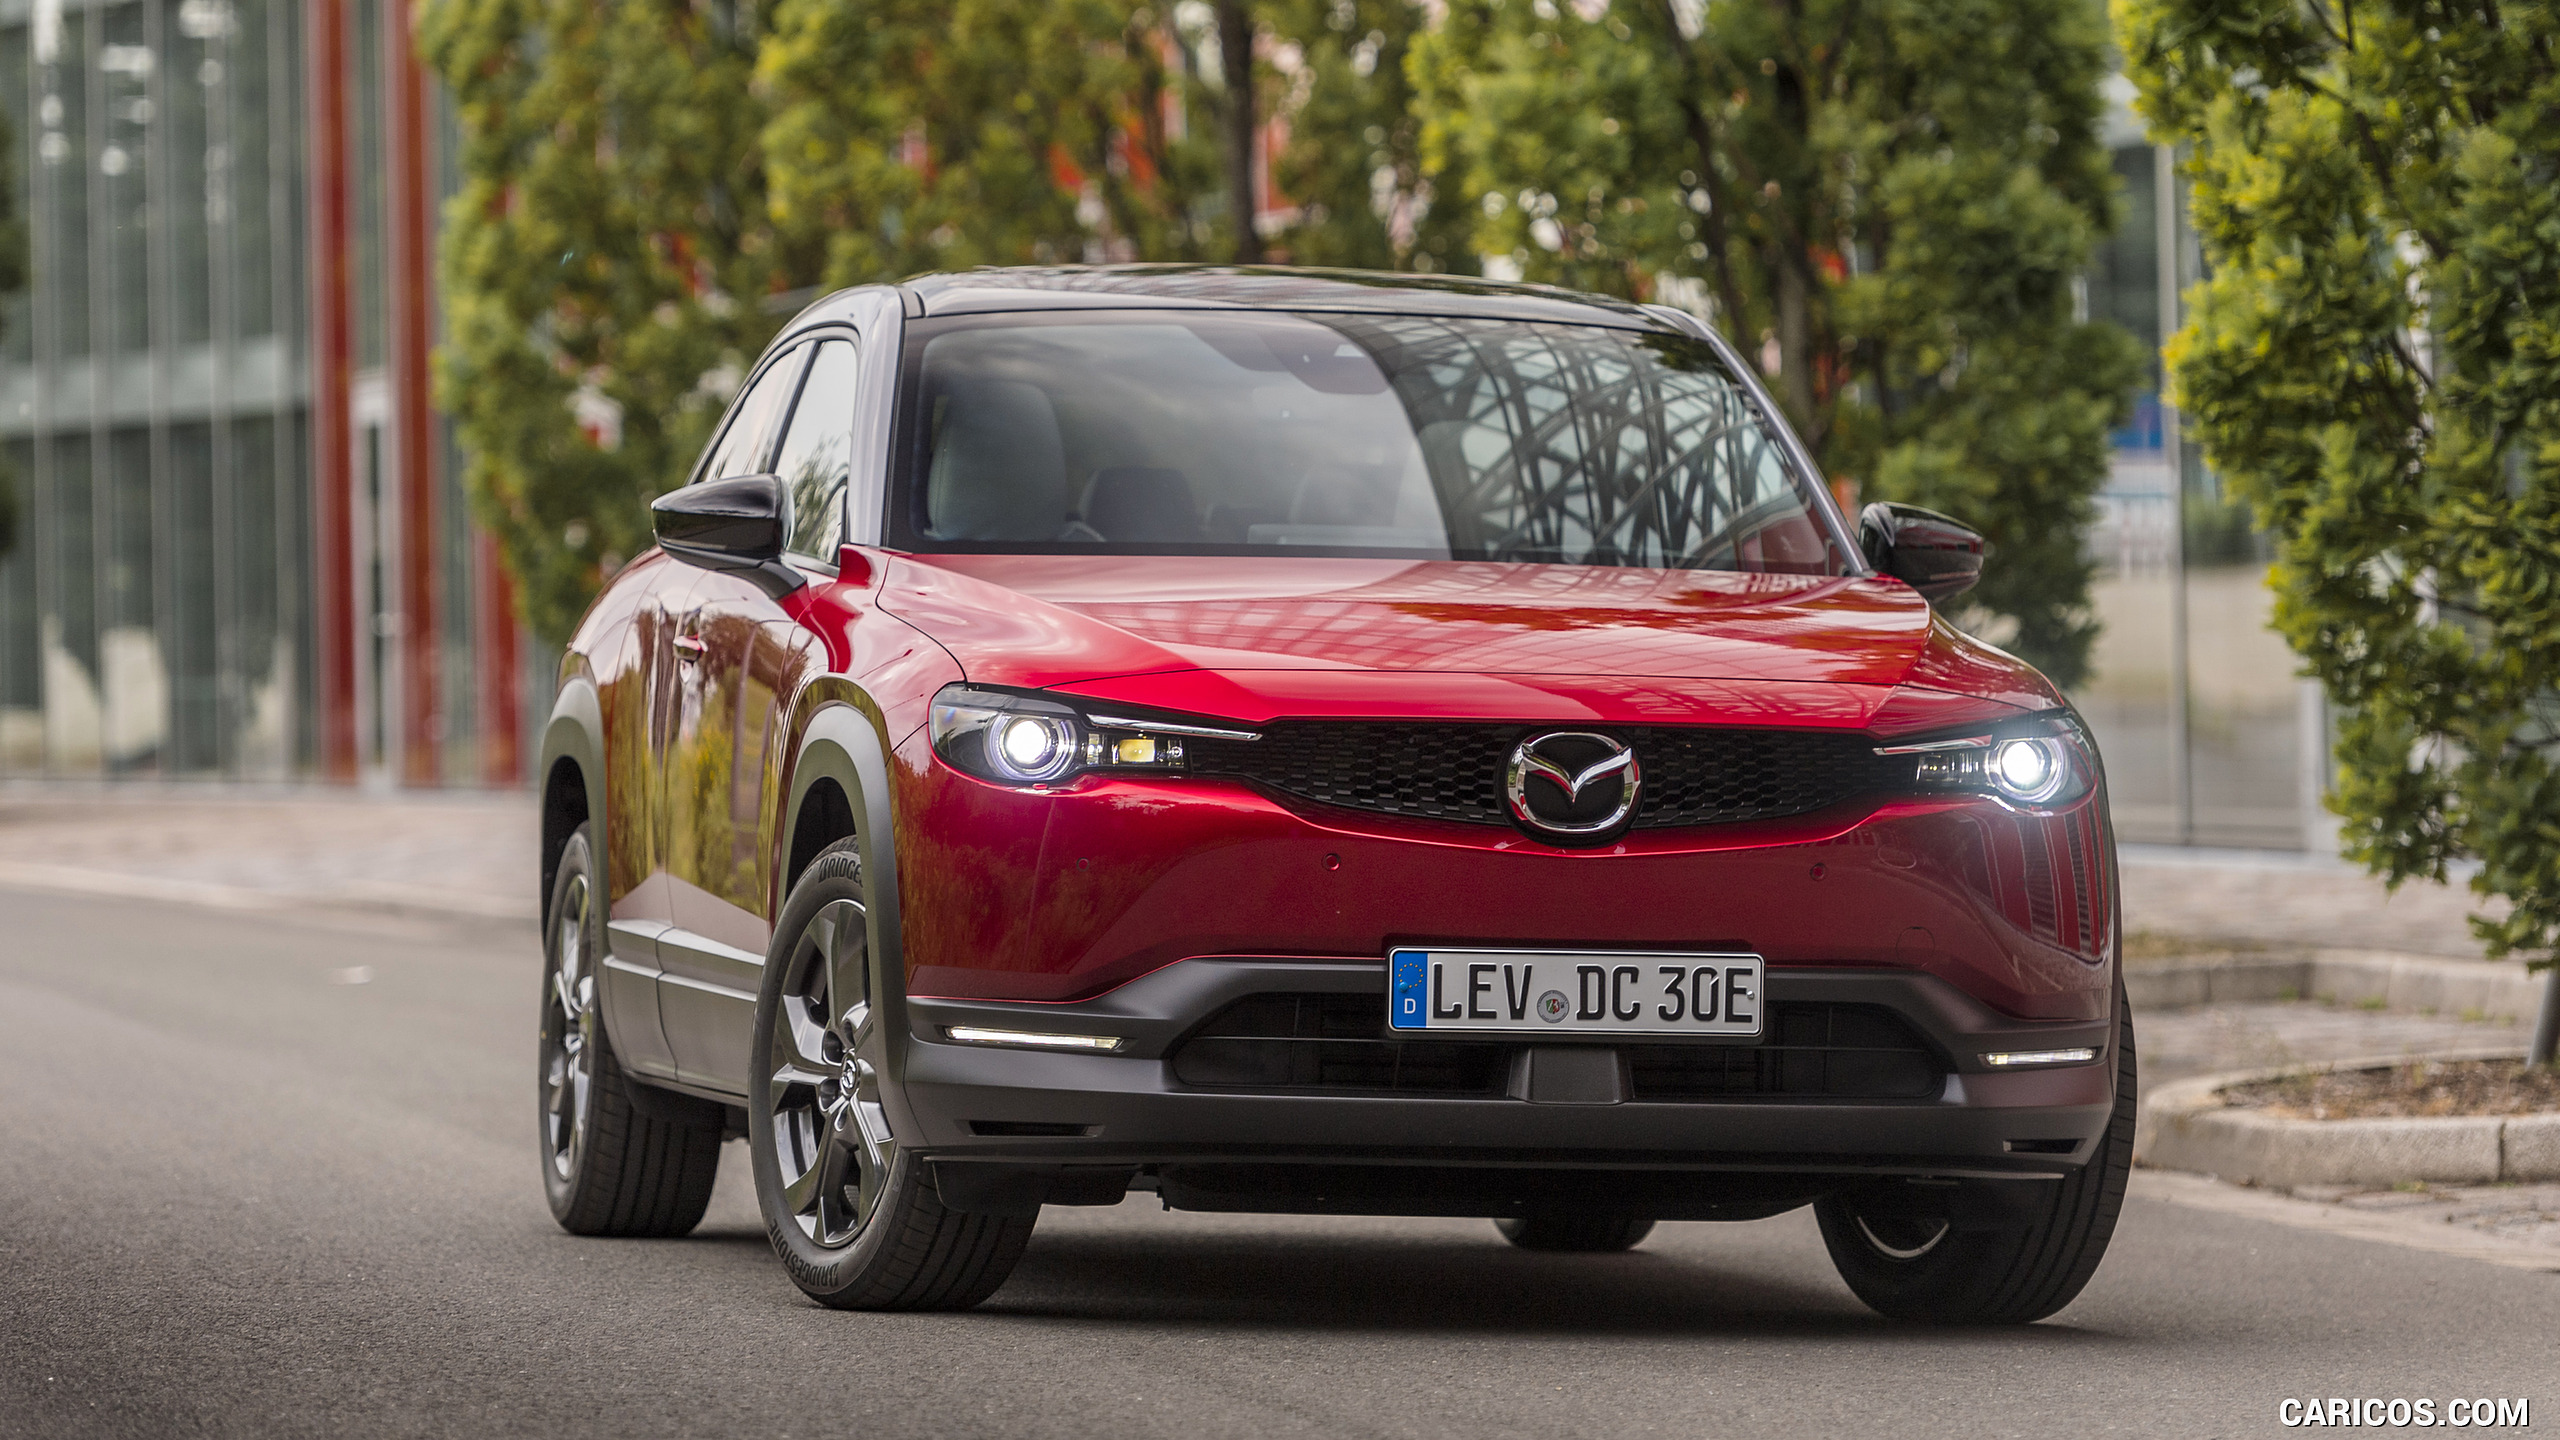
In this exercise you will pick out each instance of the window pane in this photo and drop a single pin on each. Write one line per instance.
(817, 452)
(192, 197)
(741, 448)
(192, 624)
(62, 148)
(73, 698)
(21, 653)
(125, 64)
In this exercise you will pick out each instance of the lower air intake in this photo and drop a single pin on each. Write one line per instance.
(1335, 1043)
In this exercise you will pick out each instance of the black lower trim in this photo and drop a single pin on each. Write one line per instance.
(1019, 1123)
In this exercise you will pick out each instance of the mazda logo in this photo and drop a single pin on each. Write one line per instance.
(1571, 782)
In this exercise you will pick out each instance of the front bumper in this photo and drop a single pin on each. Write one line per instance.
(1004, 1128)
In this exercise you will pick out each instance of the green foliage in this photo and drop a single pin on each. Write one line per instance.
(1895, 197)
(606, 260)
(2375, 365)
(912, 135)
(1898, 195)
(1353, 163)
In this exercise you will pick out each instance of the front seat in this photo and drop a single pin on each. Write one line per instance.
(999, 468)
(1141, 504)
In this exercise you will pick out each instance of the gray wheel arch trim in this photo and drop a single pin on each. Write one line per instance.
(575, 732)
(847, 742)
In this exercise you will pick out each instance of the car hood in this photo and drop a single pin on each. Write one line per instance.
(1284, 635)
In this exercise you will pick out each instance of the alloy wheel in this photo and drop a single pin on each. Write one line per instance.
(830, 1136)
(569, 1034)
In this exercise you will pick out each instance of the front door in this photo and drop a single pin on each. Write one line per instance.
(636, 685)
(723, 788)
(712, 954)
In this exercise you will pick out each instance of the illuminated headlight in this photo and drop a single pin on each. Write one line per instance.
(1010, 739)
(1033, 747)
(1036, 741)
(2040, 764)
(2030, 771)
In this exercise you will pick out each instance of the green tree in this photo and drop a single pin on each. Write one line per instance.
(2374, 362)
(908, 135)
(1890, 200)
(1352, 165)
(605, 266)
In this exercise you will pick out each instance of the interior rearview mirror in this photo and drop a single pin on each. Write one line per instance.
(1935, 554)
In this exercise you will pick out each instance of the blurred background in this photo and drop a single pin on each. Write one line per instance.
(231, 565)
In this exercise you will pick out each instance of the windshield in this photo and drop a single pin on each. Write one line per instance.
(1421, 436)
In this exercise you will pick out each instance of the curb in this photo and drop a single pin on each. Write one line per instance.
(2481, 989)
(2186, 1126)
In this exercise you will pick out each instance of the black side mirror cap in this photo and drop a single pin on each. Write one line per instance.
(737, 524)
(1937, 555)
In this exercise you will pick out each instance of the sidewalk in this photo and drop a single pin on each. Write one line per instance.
(456, 854)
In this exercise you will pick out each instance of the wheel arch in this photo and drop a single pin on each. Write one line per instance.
(572, 771)
(842, 773)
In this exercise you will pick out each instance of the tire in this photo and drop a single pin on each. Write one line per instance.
(1945, 1273)
(1573, 1233)
(613, 1162)
(852, 1215)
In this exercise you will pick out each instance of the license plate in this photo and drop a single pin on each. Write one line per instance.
(1565, 992)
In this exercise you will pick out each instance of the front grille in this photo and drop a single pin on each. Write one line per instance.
(1692, 775)
(1330, 1042)
(1337, 1042)
(1838, 1052)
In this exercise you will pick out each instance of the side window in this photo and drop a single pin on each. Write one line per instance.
(817, 451)
(741, 448)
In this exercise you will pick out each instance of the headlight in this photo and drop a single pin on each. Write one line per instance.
(2038, 764)
(1038, 741)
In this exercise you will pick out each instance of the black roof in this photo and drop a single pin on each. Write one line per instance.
(1122, 287)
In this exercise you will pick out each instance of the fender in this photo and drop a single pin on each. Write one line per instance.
(575, 732)
(846, 740)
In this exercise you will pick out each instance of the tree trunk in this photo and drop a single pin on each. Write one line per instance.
(1235, 59)
(1795, 347)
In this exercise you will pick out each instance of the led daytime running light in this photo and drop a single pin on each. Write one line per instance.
(2077, 1055)
(1031, 1039)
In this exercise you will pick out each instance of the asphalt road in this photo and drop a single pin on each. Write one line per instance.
(239, 1195)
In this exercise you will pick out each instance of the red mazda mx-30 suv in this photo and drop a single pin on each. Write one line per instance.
(1317, 742)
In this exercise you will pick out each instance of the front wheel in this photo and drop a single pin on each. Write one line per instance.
(1961, 1269)
(852, 1215)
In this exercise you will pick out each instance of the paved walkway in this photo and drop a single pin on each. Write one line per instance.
(2261, 897)
(461, 853)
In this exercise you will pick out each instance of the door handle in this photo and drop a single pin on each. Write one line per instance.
(688, 648)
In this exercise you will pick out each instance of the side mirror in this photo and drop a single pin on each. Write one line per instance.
(735, 524)
(1932, 553)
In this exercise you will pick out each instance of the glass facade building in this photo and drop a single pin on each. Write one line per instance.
(234, 559)
(2210, 737)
